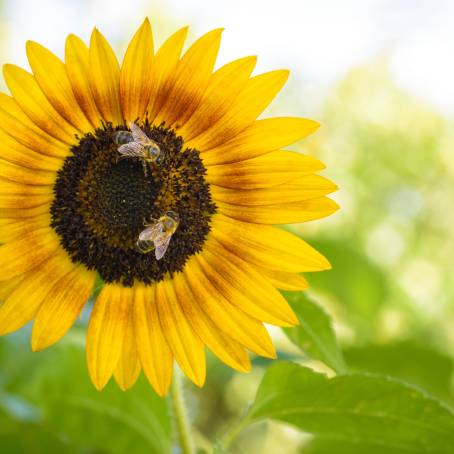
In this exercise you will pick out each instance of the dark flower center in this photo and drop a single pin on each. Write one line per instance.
(103, 201)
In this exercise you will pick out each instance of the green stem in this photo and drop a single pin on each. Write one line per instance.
(230, 436)
(181, 415)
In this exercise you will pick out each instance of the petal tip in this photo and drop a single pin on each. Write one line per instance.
(291, 319)
(245, 368)
(267, 349)
(184, 30)
(37, 343)
(325, 265)
(161, 389)
(95, 34)
(284, 73)
(199, 381)
(72, 38)
(145, 27)
(29, 45)
(7, 68)
(99, 384)
(123, 387)
(334, 206)
(315, 125)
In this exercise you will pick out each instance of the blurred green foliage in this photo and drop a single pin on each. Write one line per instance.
(391, 243)
(47, 398)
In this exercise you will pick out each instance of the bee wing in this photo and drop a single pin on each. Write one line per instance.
(161, 244)
(151, 233)
(148, 237)
(138, 135)
(131, 149)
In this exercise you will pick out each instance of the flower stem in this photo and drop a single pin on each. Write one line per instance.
(181, 415)
(232, 433)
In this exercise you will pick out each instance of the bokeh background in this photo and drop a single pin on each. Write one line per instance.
(378, 75)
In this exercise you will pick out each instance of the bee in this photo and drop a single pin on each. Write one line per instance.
(136, 144)
(157, 234)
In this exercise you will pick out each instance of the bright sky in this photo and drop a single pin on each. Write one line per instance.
(319, 40)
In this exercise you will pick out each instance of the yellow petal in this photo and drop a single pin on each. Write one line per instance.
(285, 281)
(285, 213)
(8, 187)
(245, 329)
(50, 73)
(225, 348)
(77, 63)
(20, 155)
(25, 175)
(259, 138)
(24, 302)
(24, 212)
(104, 76)
(304, 188)
(186, 346)
(245, 287)
(14, 122)
(31, 99)
(8, 287)
(18, 196)
(267, 246)
(136, 77)
(191, 79)
(11, 204)
(61, 307)
(222, 91)
(106, 331)
(251, 102)
(155, 355)
(166, 62)
(128, 367)
(272, 169)
(25, 253)
(12, 229)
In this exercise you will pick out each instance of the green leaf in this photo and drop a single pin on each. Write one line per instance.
(408, 361)
(315, 334)
(327, 446)
(113, 421)
(218, 448)
(26, 438)
(369, 409)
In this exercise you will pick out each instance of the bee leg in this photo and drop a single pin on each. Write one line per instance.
(150, 166)
(145, 168)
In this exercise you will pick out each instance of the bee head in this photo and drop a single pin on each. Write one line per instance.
(173, 215)
(153, 152)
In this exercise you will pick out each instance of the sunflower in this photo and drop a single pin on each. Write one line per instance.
(73, 207)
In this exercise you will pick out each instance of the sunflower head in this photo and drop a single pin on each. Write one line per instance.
(104, 201)
(156, 177)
